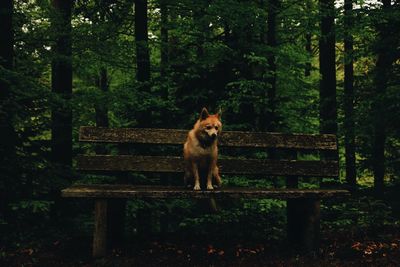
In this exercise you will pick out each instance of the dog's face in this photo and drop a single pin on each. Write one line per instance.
(210, 124)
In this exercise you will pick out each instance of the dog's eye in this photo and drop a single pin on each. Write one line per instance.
(216, 128)
(208, 127)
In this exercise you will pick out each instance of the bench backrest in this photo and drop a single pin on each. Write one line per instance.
(320, 143)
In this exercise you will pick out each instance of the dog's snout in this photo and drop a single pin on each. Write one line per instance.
(214, 135)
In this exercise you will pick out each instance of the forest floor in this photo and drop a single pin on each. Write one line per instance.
(337, 249)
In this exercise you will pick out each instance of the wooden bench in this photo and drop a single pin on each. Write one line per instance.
(303, 205)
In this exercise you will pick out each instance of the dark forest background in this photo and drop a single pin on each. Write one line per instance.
(271, 65)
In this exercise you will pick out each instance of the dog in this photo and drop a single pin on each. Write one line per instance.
(200, 152)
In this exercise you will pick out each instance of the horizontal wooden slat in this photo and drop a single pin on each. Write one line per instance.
(227, 166)
(130, 191)
(227, 138)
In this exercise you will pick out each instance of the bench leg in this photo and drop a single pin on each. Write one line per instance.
(116, 222)
(100, 228)
(144, 222)
(303, 223)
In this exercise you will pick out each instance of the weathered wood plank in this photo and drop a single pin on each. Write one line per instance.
(132, 191)
(227, 138)
(227, 166)
(303, 223)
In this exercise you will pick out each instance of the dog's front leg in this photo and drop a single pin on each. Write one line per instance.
(218, 179)
(209, 176)
(188, 176)
(196, 177)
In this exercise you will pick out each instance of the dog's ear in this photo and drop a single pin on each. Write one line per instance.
(219, 113)
(204, 114)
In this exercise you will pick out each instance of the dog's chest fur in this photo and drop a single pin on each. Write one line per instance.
(199, 149)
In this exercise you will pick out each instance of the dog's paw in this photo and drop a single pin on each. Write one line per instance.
(210, 187)
(196, 187)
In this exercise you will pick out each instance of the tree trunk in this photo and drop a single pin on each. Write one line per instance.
(100, 108)
(144, 119)
(201, 82)
(115, 210)
(164, 37)
(328, 110)
(164, 61)
(269, 123)
(142, 58)
(382, 70)
(307, 70)
(349, 126)
(6, 61)
(308, 46)
(7, 35)
(141, 38)
(61, 84)
(7, 131)
(271, 80)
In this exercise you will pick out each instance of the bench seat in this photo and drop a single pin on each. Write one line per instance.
(134, 191)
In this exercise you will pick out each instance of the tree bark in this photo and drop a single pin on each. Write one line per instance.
(308, 39)
(7, 131)
(269, 123)
(61, 84)
(142, 58)
(7, 35)
(115, 209)
(6, 61)
(141, 38)
(349, 126)
(328, 110)
(164, 37)
(307, 70)
(381, 77)
(100, 108)
(271, 80)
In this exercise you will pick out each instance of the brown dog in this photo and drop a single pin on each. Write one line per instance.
(200, 151)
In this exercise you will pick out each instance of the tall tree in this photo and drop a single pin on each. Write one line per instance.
(7, 131)
(6, 62)
(141, 38)
(102, 82)
(349, 126)
(101, 78)
(164, 37)
(164, 61)
(142, 57)
(308, 46)
(308, 39)
(142, 76)
(7, 36)
(381, 77)
(61, 83)
(272, 42)
(327, 68)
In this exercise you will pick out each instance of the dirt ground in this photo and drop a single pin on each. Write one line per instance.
(336, 250)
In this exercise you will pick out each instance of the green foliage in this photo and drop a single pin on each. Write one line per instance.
(34, 207)
(264, 220)
(365, 212)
